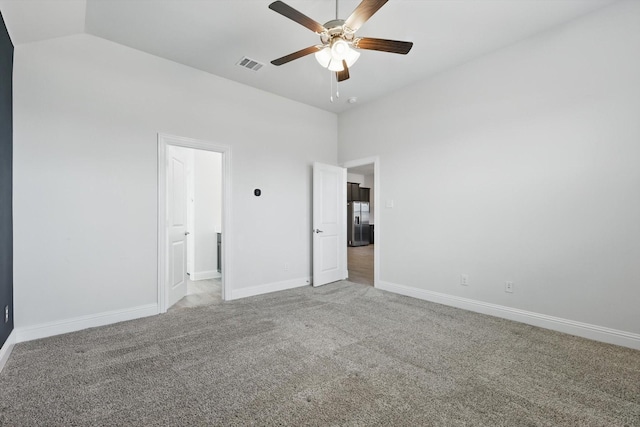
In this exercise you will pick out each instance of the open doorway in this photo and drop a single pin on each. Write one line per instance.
(193, 211)
(203, 226)
(361, 221)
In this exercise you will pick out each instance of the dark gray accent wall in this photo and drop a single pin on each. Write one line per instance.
(6, 150)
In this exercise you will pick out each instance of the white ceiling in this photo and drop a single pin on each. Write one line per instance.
(212, 35)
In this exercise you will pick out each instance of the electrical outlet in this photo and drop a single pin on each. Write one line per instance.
(286, 266)
(508, 287)
(6, 314)
(464, 279)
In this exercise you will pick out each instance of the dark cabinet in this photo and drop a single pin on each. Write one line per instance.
(355, 193)
(364, 194)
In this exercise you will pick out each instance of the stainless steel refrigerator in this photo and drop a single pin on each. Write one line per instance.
(358, 223)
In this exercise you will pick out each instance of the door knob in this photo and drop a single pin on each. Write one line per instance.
(317, 231)
(186, 233)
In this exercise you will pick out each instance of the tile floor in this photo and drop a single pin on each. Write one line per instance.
(201, 292)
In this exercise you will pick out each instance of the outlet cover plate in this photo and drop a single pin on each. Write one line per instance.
(464, 279)
(508, 287)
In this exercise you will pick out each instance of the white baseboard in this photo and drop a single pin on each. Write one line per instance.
(204, 275)
(58, 327)
(7, 348)
(270, 287)
(585, 330)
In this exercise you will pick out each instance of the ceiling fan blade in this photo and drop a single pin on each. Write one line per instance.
(363, 12)
(344, 74)
(295, 55)
(286, 10)
(383, 45)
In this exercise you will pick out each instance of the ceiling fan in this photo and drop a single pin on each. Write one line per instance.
(339, 46)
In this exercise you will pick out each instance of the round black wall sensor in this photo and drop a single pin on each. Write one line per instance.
(257, 192)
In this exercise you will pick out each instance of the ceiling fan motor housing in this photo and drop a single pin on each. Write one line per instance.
(335, 29)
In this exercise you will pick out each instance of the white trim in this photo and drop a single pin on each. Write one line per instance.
(376, 209)
(585, 330)
(270, 287)
(58, 327)
(6, 349)
(204, 275)
(225, 150)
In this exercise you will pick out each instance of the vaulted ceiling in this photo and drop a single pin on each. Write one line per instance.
(213, 35)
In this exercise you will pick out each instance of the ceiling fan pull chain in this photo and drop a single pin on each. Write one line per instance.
(331, 86)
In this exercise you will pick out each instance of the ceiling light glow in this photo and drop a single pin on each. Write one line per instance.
(331, 57)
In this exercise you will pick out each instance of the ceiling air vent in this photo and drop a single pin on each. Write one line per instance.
(249, 63)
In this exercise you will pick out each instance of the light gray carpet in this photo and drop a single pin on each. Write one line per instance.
(342, 354)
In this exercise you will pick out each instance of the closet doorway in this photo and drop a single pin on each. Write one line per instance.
(193, 213)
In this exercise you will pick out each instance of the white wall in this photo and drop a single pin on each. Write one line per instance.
(207, 181)
(521, 165)
(86, 117)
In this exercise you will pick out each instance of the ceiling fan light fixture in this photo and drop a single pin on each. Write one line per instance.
(323, 56)
(332, 57)
(351, 57)
(339, 49)
(335, 65)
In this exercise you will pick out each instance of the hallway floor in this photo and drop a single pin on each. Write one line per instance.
(360, 264)
(201, 292)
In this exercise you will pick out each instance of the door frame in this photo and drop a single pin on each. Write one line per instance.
(163, 141)
(376, 209)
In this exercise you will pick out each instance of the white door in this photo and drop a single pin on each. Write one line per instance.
(176, 224)
(329, 224)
